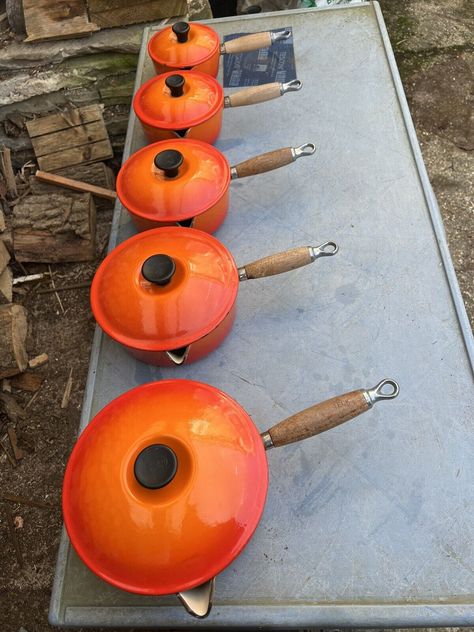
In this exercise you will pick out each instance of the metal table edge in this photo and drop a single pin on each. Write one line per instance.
(287, 615)
(56, 593)
(405, 615)
(431, 202)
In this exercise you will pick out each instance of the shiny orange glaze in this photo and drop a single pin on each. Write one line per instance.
(209, 221)
(210, 67)
(198, 111)
(208, 131)
(167, 540)
(201, 51)
(200, 190)
(197, 350)
(148, 317)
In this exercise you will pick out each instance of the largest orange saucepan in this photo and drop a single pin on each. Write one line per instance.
(166, 485)
(184, 46)
(168, 295)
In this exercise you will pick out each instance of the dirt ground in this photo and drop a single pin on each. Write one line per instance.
(435, 52)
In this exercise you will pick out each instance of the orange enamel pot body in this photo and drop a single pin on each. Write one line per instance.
(168, 294)
(177, 494)
(190, 104)
(184, 46)
(186, 182)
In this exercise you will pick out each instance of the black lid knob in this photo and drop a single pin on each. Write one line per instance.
(181, 30)
(155, 466)
(176, 85)
(159, 269)
(169, 161)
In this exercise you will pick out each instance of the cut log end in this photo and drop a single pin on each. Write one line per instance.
(13, 331)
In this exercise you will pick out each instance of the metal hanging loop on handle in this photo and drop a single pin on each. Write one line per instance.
(291, 86)
(307, 149)
(328, 249)
(280, 35)
(376, 394)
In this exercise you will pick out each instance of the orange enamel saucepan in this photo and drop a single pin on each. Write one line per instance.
(184, 46)
(186, 182)
(168, 294)
(190, 104)
(166, 485)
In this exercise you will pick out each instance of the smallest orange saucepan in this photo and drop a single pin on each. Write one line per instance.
(190, 104)
(168, 295)
(186, 182)
(167, 484)
(184, 46)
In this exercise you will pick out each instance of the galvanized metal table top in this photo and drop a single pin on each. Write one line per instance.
(371, 523)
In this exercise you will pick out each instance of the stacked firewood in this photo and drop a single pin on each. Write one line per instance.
(50, 217)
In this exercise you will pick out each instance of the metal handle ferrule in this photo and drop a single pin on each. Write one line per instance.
(242, 274)
(267, 440)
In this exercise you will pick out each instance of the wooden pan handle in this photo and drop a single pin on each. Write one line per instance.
(328, 414)
(265, 162)
(286, 261)
(259, 94)
(318, 418)
(254, 41)
(271, 160)
(255, 94)
(246, 43)
(278, 263)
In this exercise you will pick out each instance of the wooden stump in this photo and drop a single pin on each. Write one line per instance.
(13, 330)
(4, 256)
(6, 286)
(54, 228)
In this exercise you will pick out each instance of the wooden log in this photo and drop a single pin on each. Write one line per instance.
(70, 138)
(75, 185)
(7, 170)
(53, 19)
(6, 286)
(54, 228)
(7, 240)
(16, 19)
(4, 256)
(109, 13)
(2, 222)
(96, 173)
(69, 117)
(13, 330)
(101, 150)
